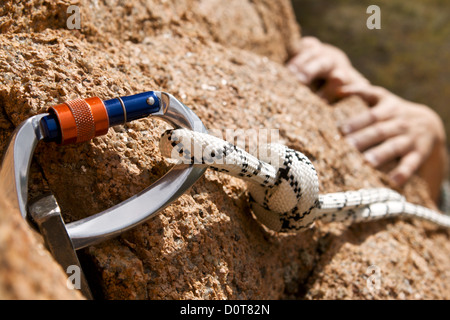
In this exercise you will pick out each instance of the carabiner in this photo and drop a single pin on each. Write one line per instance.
(81, 120)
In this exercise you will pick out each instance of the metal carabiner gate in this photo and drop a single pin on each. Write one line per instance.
(81, 120)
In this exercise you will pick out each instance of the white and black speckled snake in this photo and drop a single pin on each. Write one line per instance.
(284, 186)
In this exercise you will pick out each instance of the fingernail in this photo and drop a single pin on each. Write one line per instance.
(371, 159)
(301, 77)
(345, 128)
(292, 68)
(352, 142)
(396, 178)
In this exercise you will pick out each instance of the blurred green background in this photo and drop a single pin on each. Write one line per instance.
(409, 55)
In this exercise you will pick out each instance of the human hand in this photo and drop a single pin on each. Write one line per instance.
(319, 62)
(398, 130)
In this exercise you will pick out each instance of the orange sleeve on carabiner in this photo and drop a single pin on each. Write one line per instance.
(81, 120)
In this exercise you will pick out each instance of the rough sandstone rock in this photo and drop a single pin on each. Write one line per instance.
(225, 61)
(27, 269)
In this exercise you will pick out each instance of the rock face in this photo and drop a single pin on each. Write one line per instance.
(225, 61)
(27, 269)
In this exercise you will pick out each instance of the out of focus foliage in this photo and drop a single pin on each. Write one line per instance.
(409, 55)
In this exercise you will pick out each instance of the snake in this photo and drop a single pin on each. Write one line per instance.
(283, 185)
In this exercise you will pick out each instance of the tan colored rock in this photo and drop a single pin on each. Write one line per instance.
(207, 244)
(27, 270)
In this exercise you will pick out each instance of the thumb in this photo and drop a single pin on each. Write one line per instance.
(371, 94)
(329, 90)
